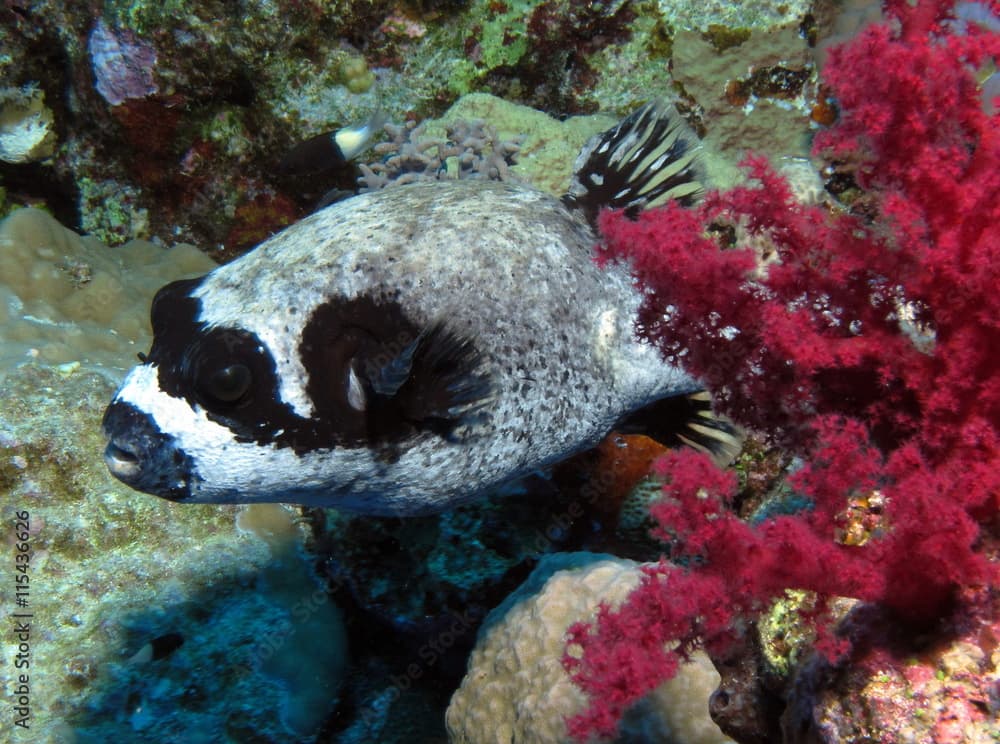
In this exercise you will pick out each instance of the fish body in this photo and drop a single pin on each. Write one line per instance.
(398, 352)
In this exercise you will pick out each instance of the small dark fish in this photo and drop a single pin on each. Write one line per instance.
(159, 648)
(325, 165)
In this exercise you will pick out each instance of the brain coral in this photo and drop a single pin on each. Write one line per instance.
(515, 689)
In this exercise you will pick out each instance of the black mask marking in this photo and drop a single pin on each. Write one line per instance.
(226, 371)
(139, 455)
(405, 380)
(385, 378)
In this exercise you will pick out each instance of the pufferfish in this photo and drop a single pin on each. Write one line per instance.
(410, 349)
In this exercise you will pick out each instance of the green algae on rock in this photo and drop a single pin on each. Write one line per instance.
(699, 15)
(549, 148)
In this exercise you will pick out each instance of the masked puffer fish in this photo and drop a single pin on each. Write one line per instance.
(409, 349)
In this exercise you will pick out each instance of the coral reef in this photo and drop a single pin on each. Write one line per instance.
(547, 147)
(469, 150)
(901, 688)
(482, 136)
(171, 119)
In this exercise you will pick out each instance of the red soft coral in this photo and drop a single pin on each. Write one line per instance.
(871, 348)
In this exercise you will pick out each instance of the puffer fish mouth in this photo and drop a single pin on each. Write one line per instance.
(141, 456)
(123, 464)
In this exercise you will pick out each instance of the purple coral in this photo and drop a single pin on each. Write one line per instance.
(123, 64)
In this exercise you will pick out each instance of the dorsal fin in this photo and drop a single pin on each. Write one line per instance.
(649, 157)
(686, 420)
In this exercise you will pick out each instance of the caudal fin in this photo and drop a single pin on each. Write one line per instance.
(687, 420)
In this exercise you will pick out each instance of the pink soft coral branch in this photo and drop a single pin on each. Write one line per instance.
(814, 353)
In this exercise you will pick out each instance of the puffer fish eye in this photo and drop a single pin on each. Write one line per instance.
(227, 385)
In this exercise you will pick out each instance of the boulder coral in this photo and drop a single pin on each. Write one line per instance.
(516, 690)
(67, 298)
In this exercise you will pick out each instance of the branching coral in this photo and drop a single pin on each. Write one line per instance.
(870, 348)
(469, 150)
